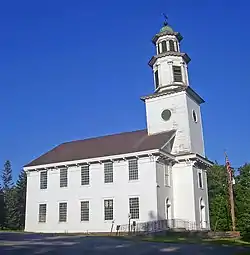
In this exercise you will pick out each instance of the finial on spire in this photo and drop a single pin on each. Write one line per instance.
(166, 19)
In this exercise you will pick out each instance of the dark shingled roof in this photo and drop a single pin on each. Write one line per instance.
(109, 145)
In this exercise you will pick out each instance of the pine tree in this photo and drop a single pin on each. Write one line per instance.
(10, 215)
(20, 191)
(1, 208)
(218, 198)
(7, 176)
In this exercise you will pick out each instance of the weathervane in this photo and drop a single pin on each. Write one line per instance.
(166, 19)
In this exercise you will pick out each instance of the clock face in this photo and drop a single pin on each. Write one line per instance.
(166, 114)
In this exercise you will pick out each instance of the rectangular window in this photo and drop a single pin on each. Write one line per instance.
(200, 180)
(85, 211)
(43, 180)
(164, 46)
(85, 175)
(156, 79)
(134, 208)
(63, 177)
(42, 212)
(167, 175)
(133, 169)
(62, 212)
(108, 209)
(177, 74)
(108, 172)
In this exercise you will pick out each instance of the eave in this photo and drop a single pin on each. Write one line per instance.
(185, 57)
(181, 88)
(194, 157)
(100, 160)
(194, 95)
(157, 36)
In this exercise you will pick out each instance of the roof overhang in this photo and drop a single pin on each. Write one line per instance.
(185, 57)
(139, 154)
(180, 88)
(195, 158)
(165, 92)
(157, 36)
(194, 95)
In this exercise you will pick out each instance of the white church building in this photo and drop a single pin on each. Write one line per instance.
(158, 173)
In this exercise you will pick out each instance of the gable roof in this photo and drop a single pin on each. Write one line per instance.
(109, 145)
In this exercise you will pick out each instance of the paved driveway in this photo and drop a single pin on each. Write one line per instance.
(22, 244)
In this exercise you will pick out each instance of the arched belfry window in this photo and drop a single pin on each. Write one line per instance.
(171, 45)
(156, 74)
(164, 46)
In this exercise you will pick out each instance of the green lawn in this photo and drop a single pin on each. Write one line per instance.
(221, 241)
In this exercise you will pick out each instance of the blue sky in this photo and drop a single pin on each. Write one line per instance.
(76, 69)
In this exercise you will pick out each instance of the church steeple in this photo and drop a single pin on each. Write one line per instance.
(169, 64)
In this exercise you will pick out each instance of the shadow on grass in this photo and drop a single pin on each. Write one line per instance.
(185, 240)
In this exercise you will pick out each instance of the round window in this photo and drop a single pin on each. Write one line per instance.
(166, 114)
(195, 118)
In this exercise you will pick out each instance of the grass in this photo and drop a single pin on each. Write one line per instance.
(174, 239)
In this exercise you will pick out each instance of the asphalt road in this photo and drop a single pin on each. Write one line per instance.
(22, 244)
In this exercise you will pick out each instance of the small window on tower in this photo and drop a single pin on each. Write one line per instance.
(177, 74)
(171, 46)
(156, 79)
(164, 46)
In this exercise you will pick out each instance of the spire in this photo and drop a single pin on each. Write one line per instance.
(165, 19)
(166, 27)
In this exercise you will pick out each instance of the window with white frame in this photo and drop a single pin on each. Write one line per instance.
(43, 180)
(167, 171)
(42, 212)
(200, 182)
(133, 169)
(85, 175)
(63, 177)
(177, 73)
(134, 207)
(62, 212)
(108, 172)
(85, 211)
(108, 209)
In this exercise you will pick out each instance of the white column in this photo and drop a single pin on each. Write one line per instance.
(184, 73)
(167, 45)
(159, 47)
(176, 46)
(171, 76)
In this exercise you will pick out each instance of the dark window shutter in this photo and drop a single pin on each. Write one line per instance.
(171, 45)
(156, 79)
(164, 46)
(177, 74)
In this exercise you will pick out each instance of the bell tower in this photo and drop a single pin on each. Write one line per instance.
(173, 104)
(169, 64)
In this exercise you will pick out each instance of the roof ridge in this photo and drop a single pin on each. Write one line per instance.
(102, 136)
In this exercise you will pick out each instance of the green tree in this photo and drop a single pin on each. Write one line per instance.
(20, 193)
(218, 198)
(10, 215)
(7, 176)
(242, 198)
(1, 208)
